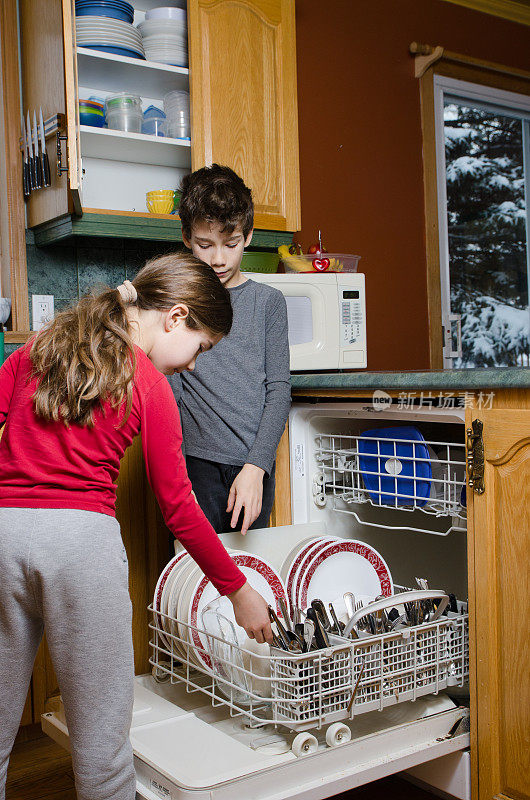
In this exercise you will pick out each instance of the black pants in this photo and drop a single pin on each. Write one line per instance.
(211, 483)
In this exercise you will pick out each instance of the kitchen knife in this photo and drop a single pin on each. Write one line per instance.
(26, 183)
(38, 163)
(46, 174)
(32, 177)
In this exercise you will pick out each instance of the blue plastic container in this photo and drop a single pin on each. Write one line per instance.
(400, 478)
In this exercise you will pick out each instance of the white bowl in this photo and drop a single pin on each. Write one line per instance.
(154, 26)
(165, 12)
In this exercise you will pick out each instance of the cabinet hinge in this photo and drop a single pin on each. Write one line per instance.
(475, 457)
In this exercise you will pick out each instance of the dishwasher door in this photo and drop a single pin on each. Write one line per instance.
(196, 751)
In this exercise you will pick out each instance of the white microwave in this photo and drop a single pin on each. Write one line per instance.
(327, 318)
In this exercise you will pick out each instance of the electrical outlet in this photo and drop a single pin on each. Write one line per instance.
(42, 310)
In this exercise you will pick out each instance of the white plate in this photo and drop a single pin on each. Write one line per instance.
(172, 606)
(105, 22)
(345, 566)
(304, 565)
(154, 26)
(110, 34)
(260, 575)
(303, 549)
(188, 588)
(161, 591)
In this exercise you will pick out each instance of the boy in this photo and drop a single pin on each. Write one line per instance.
(235, 404)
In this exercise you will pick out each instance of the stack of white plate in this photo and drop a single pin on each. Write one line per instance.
(326, 567)
(109, 35)
(183, 592)
(166, 39)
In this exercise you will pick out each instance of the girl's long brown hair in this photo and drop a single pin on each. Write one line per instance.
(85, 357)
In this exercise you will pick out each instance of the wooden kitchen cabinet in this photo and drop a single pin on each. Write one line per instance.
(243, 89)
(499, 588)
(244, 114)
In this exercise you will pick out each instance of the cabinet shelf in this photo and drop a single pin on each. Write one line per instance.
(112, 73)
(136, 148)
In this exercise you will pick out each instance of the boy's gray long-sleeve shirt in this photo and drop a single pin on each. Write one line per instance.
(235, 403)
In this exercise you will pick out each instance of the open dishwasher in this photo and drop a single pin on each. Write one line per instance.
(332, 719)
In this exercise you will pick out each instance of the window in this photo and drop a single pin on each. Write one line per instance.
(483, 180)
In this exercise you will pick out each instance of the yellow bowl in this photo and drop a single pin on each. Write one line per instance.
(160, 206)
(162, 193)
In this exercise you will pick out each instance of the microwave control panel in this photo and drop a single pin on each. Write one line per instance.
(351, 317)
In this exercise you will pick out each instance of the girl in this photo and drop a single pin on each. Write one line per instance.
(72, 400)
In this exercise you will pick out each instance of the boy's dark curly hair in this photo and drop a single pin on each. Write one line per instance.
(216, 194)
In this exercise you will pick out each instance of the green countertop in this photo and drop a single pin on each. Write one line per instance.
(449, 379)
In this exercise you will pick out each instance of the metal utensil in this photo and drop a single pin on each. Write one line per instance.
(38, 163)
(32, 175)
(320, 608)
(46, 174)
(352, 698)
(282, 633)
(321, 636)
(349, 602)
(285, 613)
(26, 180)
(309, 632)
(338, 626)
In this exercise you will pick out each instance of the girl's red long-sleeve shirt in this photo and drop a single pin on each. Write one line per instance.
(47, 465)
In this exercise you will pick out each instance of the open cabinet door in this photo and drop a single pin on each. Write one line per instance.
(243, 100)
(499, 555)
(49, 81)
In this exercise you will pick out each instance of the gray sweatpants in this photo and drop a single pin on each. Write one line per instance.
(65, 572)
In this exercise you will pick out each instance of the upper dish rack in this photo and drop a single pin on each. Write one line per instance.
(402, 473)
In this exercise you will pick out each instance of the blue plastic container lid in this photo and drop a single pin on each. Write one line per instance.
(399, 482)
(153, 112)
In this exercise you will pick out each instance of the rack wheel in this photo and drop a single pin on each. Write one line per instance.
(304, 744)
(336, 734)
(159, 675)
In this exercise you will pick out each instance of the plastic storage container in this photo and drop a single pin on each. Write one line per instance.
(123, 112)
(154, 122)
(325, 262)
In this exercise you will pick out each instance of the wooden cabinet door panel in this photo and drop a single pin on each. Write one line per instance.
(500, 541)
(243, 97)
(49, 81)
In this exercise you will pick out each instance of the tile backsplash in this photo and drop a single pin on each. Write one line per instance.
(68, 270)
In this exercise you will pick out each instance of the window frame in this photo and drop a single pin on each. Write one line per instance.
(494, 99)
(483, 75)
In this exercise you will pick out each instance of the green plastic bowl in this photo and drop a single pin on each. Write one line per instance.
(260, 262)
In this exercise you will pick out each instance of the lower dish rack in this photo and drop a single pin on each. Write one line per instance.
(318, 688)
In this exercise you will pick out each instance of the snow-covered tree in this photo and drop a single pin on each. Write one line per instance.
(487, 234)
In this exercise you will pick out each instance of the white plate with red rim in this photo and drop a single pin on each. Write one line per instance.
(345, 566)
(304, 564)
(260, 575)
(305, 549)
(161, 591)
(294, 559)
(171, 625)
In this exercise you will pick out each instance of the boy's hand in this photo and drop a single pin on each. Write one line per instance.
(246, 491)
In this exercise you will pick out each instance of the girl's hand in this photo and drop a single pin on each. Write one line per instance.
(251, 613)
(246, 491)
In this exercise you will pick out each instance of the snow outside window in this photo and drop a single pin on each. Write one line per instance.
(483, 190)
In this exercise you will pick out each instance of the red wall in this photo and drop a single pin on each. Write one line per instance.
(361, 146)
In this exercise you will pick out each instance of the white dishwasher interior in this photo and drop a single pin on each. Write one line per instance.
(187, 746)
